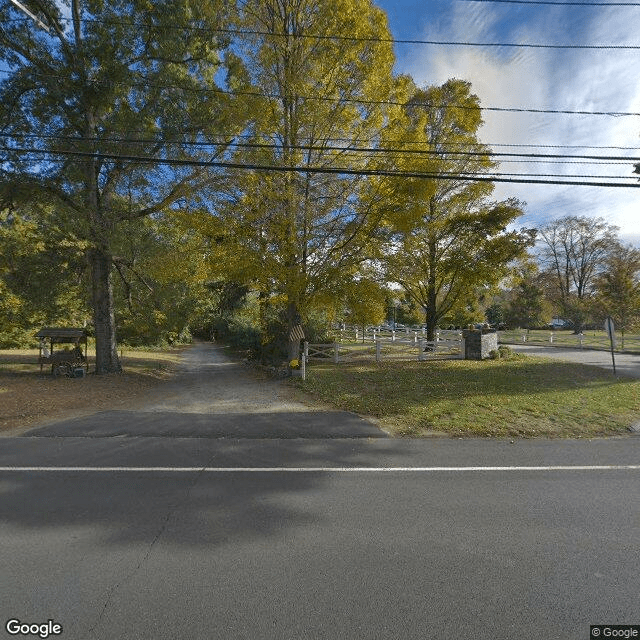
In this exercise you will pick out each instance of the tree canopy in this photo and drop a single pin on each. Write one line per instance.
(87, 102)
(163, 164)
(450, 238)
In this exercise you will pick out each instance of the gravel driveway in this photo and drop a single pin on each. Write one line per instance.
(209, 382)
(212, 396)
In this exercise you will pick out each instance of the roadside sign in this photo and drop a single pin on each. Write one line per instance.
(610, 328)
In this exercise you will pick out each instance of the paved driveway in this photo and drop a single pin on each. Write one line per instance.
(626, 363)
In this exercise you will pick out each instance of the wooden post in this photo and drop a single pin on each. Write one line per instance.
(305, 355)
(378, 351)
(336, 353)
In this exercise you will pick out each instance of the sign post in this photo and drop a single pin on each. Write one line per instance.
(609, 327)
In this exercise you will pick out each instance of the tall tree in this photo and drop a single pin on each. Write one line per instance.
(89, 108)
(618, 288)
(451, 237)
(574, 251)
(320, 69)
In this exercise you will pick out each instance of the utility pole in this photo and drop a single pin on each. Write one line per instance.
(31, 15)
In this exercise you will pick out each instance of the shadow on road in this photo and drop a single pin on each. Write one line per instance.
(185, 508)
(172, 424)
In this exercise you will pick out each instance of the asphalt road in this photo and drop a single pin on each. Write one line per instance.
(627, 364)
(320, 539)
(200, 531)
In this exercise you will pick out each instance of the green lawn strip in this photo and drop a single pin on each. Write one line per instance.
(525, 397)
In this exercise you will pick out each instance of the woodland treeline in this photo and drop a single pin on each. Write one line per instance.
(170, 170)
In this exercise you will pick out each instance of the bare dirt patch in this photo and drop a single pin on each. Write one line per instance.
(29, 398)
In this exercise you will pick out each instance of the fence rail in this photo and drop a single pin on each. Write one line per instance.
(588, 340)
(393, 348)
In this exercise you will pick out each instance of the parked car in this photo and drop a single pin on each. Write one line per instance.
(560, 323)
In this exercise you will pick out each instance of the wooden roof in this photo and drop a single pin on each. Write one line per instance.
(61, 332)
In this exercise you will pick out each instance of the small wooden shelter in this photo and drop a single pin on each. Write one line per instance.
(63, 361)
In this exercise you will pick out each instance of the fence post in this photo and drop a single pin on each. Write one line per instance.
(551, 337)
(524, 337)
(305, 355)
(336, 352)
(378, 351)
(393, 336)
(356, 335)
(463, 349)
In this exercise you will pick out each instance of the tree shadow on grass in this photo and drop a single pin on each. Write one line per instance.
(456, 378)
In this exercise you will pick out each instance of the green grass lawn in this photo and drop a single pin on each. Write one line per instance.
(523, 396)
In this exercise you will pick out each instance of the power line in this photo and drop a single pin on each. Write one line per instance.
(226, 137)
(565, 4)
(327, 170)
(390, 40)
(338, 101)
(483, 153)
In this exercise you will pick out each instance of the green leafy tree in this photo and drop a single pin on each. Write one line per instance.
(527, 306)
(295, 235)
(160, 284)
(618, 288)
(365, 303)
(86, 104)
(451, 239)
(42, 275)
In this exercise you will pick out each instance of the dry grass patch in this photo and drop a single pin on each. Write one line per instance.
(28, 397)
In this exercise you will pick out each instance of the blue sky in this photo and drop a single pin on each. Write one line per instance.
(539, 79)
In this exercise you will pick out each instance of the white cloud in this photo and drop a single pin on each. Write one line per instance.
(601, 80)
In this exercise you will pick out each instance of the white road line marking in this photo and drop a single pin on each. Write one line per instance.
(613, 467)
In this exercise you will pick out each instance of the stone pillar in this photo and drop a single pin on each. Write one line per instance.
(478, 344)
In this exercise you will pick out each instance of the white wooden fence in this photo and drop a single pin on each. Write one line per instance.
(588, 340)
(447, 345)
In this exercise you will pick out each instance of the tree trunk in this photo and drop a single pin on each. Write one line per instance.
(432, 325)
(432, 293)
(293, 322)
(107, 360)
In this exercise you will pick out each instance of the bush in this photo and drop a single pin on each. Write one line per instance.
(506, 352)
(238, 334)
(503, 353)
